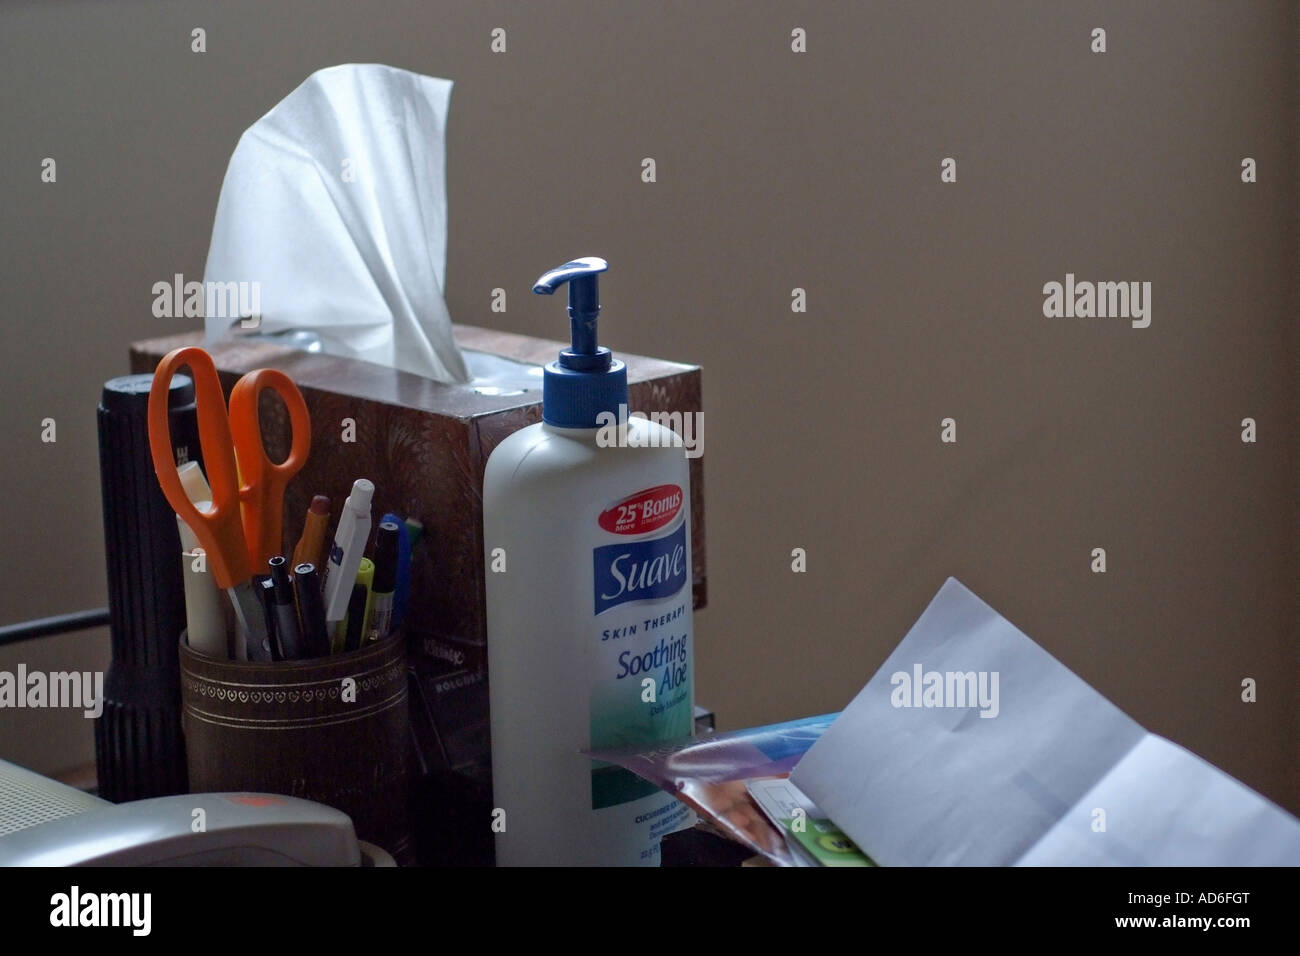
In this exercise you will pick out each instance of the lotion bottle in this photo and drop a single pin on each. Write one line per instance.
(586, 534)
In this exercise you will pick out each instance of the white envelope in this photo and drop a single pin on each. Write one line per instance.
(1055, 774)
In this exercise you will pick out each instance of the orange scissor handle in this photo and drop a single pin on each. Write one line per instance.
(264, 481)
(220, 531)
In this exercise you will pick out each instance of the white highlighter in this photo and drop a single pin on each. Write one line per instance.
(346, 551)
(208, 615)
(192, 480)
(207, 611)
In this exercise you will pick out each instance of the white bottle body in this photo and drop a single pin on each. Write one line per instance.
(595, 598)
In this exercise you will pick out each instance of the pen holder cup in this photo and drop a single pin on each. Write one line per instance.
(334, 729)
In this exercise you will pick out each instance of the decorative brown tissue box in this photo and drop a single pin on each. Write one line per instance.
(424, 445)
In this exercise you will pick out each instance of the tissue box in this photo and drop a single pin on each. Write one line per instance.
(424, 445)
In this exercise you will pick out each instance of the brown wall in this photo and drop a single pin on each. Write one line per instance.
(775, 170)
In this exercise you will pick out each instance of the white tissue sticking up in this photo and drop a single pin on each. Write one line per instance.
(335, 203)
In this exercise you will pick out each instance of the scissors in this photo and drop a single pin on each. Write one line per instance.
(242, 528)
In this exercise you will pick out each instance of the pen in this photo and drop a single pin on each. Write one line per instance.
(315, 638)
(314, 527)
(341, 630)
(345, 554)
(286, 612)
(356, 616)
(379, 612)
(264, 652)
(403, 586)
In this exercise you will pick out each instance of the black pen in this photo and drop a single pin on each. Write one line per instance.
(311, 605)
(380, 619)
(286, 612)
(356, 617)
(267, 651)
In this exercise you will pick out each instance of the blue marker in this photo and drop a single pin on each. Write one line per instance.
(402, 591)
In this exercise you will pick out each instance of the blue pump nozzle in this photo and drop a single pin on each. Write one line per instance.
(586, 379)
(584, 306)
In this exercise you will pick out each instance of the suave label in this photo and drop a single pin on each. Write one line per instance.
(641, 677)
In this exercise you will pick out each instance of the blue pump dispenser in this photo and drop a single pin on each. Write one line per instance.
(586, 379)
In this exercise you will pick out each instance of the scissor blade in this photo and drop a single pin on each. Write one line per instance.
(251, 621)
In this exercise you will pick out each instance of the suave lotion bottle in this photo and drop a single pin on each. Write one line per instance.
(587, 542)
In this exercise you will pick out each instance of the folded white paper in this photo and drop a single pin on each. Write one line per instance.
(974, 746)
(335, 205)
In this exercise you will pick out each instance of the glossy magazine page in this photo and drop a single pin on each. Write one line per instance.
(711, 774)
